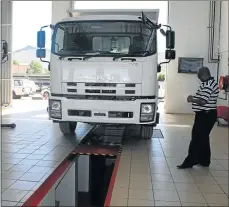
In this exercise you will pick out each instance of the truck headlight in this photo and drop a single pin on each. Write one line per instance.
(55, 105)
(55, 109)
(147, 108)
(147, 112)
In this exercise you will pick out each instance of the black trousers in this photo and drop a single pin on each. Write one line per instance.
(199, 149)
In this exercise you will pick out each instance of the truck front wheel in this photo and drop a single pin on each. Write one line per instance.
(68, 128)
(147, 132)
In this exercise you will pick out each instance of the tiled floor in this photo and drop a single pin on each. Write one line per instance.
(31, 151)
(147, 174)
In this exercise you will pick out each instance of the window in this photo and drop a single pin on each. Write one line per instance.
(18, 83)
(107, 38)
(59, 40)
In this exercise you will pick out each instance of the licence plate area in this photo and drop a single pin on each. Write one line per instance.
(109, 114)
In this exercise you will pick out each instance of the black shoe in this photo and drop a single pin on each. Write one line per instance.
(184, 166)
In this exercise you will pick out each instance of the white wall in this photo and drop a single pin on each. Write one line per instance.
(190, 20)
(223, 67)
(59, 10)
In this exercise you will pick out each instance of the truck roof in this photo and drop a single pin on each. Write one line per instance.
(119, 15)
(103, 18)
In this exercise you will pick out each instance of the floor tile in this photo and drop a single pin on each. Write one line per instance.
(187, 197)
(221, 180)
(20, 168)
(160, 195)
(6, 167)
(161, 178)
(204, 180)
(216, 173)
(183, 178)
(138, 184)
(29, 162)
(215, 204)
(12, 175)
(13, 195)
(11, 160)
(165, 203)
(119, 202)
(163, 186)
(39, 169)
(46, 163)
(139, 202)
(225, 188)
(8, 203)
(210, 188)
(187, 187)
(194, 204)
(6, 183)
(215, 198)
(22, 156)
(140, 177)
(119, 193)
(34, 177)
(160, 170)
(35, 157)
(141, 194)
(26, 151)
(23, 185)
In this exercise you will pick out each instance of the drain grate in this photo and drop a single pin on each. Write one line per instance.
(134, 132)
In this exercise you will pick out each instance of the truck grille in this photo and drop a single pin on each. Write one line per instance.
(106, 89)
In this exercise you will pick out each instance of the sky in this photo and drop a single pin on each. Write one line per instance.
(29, 16)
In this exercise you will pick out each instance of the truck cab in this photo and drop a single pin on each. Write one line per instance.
(103, 69)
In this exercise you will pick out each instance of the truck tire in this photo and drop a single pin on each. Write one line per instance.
(67, 128)
(146, 132)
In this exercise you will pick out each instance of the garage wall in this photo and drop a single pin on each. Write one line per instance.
(223, 67)
(190, 20)
(59, 9)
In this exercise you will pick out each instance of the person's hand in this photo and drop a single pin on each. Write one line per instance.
(189, 99)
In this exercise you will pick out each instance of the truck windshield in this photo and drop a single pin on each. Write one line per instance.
(107, 38)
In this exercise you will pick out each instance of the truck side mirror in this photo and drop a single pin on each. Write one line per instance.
(41, 39)
(170, 39)
(41, 53)
(170, 54)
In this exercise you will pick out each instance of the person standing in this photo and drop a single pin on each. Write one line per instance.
(204, 104)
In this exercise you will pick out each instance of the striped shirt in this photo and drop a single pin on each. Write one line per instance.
(208, 91)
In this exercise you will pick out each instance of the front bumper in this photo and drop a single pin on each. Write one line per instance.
(100, 111)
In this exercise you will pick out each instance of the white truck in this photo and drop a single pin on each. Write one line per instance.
(104, 67)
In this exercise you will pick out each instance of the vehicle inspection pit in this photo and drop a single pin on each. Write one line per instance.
(86, 177)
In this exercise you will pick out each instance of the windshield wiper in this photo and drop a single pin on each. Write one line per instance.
(121, 56)
(144, 52)
(131, 54)
(79, 57)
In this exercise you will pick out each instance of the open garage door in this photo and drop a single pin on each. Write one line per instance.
(6, 38)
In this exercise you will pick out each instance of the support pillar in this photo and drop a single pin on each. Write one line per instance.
(59, 10)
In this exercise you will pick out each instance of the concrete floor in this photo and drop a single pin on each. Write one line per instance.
(147, 174)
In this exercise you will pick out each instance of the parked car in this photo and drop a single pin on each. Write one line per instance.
(26, 86)
(33, 87)
(17, 89)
